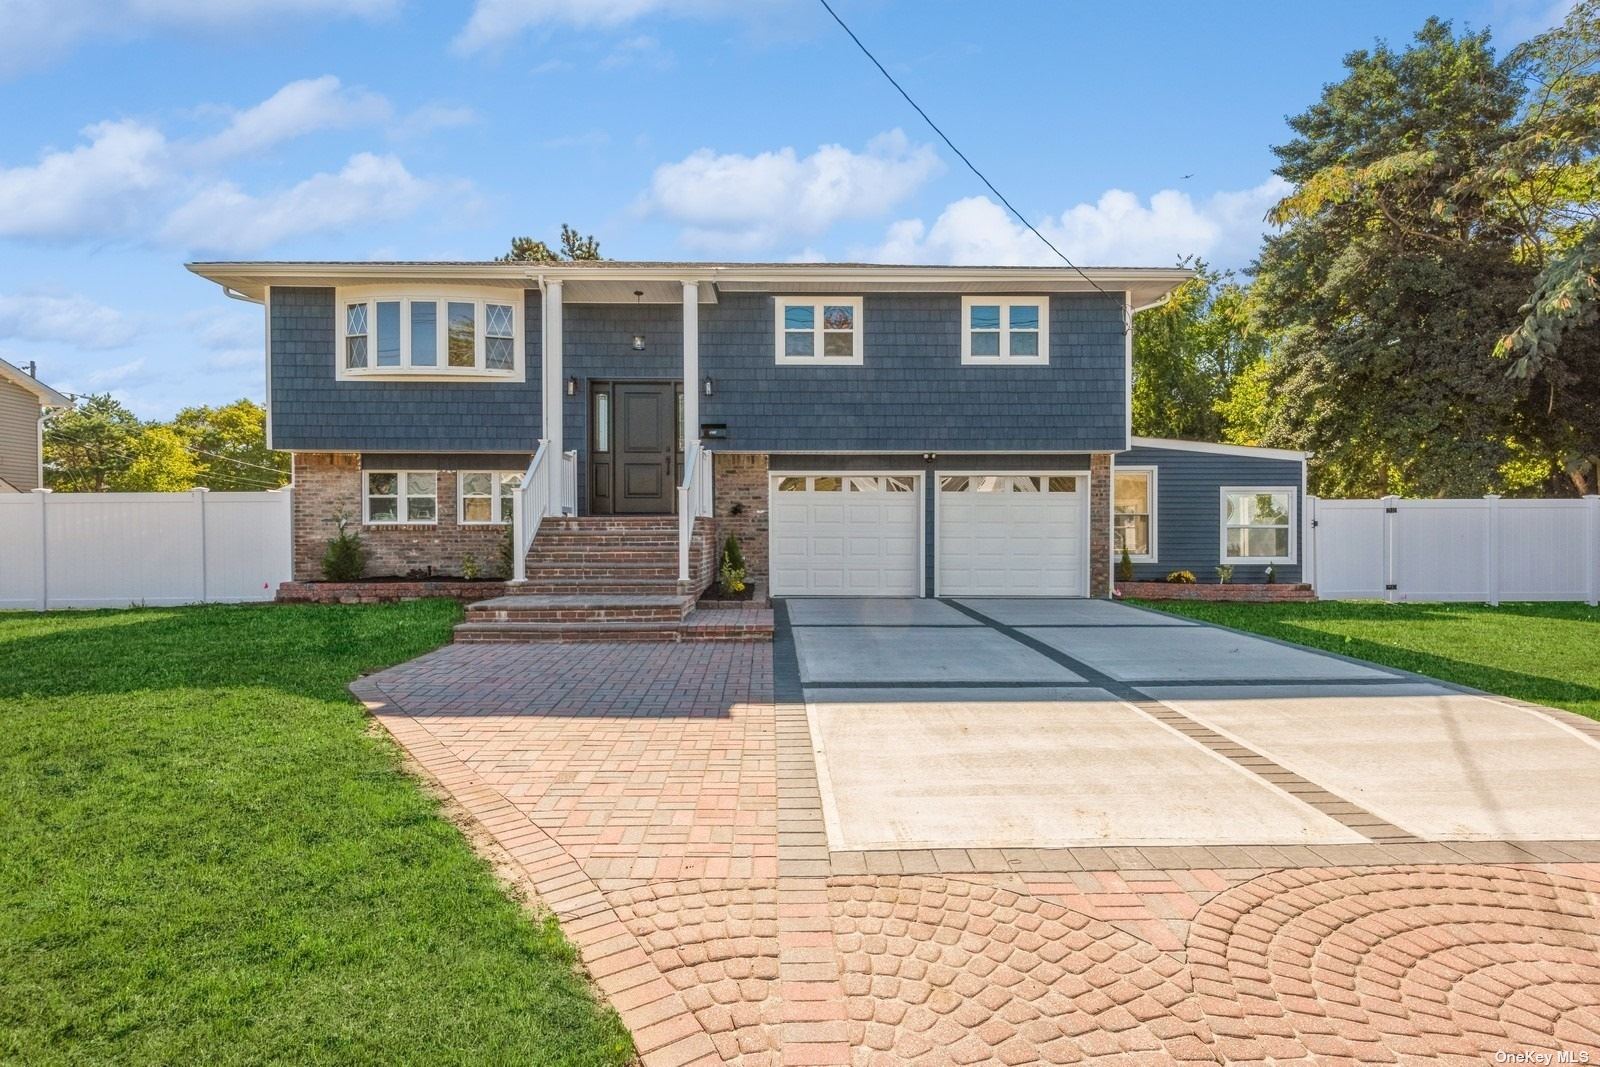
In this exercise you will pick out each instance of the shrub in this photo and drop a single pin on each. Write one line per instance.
(505, 564)
(1224, 573)
(1181, 578)
(346, 557)
(470, 568)
(1125, 566)
(731, 570)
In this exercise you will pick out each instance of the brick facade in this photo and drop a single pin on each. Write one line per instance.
(740, 480)
(328, 484)
(1100, 524)
(1254, 593)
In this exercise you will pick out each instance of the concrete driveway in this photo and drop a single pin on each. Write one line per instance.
(1050, 724)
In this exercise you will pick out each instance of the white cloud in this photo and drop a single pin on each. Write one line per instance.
(494, 22)
(641, 51)
(95, 189)
(299, 108)
(430, 117)
(1117, 229)
(738, 202)
(70, 320)
(33, 33)
(121, 373)
(224, 328)
(370, 188)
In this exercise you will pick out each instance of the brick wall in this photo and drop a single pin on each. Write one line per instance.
(741, 482)
(1100, 524)
(328, 484)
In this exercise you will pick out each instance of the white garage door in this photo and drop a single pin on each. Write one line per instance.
(845, 535)
(1012, 535)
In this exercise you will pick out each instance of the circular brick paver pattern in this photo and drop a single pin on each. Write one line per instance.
(940, 971)
(1400, 965)
(716, 942)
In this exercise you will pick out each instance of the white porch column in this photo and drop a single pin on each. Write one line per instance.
(555, 392)
(691, 364)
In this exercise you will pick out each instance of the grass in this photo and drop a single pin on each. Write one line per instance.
(208, 856)
(1544, 653)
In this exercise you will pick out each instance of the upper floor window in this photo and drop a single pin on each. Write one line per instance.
(819, 330)
(1133, 513)
(1005, 329)
(443, 334)
(1258, 524)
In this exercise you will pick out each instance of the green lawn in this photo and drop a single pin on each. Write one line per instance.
(207, 856)
(1545, 653)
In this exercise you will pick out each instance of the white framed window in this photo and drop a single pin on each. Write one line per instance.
(818, 330)
(436, 334)
(1005, 330)
(485, 497)
(1133, 513)
(397, 498)
(1258, 524)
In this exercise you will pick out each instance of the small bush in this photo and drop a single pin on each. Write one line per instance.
(731, 569)
(471, 569)
(1125, 566)
(505, 563)
(1181, 578)
(1272, 575)
(1224, 573)
(346, 557)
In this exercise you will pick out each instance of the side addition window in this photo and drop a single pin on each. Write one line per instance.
(1258, 524)
(1134, 513)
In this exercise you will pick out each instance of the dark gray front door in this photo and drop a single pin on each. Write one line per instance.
(637, 473)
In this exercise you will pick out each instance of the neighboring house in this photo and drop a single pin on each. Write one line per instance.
(863, 429)
(23, 403)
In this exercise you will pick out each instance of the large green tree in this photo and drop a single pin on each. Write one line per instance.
(1395, 273)
(1187, 354)
(89, 446)
(229, 445)
(100, 446)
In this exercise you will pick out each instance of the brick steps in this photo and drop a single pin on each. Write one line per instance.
(581, 607)
(699, 625)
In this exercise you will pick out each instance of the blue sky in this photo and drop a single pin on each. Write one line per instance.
(140, 134)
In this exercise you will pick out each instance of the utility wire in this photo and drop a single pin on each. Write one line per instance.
(942, 136)
(82, 443)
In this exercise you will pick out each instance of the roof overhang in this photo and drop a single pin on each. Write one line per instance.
(1255, 451)
(610, 281)
(48, 397)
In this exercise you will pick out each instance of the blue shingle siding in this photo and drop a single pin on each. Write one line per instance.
(313, 411)
(1189, 509)
(913, 391)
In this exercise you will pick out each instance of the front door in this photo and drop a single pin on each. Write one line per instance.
(633, 457)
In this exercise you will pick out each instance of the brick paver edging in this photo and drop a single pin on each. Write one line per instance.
(665, 1032)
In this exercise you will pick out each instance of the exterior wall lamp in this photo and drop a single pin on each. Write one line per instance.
(709, 388)
(638, 342)
(572, 385)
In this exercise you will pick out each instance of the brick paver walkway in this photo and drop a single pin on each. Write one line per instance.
(663, 804)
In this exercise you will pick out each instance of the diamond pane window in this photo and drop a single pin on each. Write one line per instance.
(498, 335)
(355, 335)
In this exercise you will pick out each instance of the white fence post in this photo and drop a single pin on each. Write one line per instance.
(1591, 536)
(1308, 571)
(43, 497)
(1491, 551)
(1391, 568)
(199, 493)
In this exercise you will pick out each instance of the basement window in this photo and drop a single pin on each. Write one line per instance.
(397, 498)
(486, 497)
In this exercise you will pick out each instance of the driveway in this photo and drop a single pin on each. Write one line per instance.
(1008, 832)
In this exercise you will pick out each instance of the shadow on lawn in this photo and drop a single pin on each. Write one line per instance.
(308, 650)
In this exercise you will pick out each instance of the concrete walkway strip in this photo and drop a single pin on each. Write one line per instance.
(936, 654)
(1442, 764)
(976, 770)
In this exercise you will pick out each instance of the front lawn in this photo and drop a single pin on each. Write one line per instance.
(1544, 653)
(206, 856)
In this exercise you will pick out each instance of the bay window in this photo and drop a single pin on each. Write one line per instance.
(388, 334)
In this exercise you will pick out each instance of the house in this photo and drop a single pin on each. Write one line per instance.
(23, 403)
(863, 429)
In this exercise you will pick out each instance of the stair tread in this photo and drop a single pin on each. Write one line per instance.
(492, 626)
(577, 600)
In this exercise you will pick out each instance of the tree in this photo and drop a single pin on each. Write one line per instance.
(88, 446)
(1188, 352)
(574, 246)
(229, 445)
(1395, 273)
(162, 463)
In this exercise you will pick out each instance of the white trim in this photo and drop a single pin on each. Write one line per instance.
(266, 347)
(498, 492)
(1218, 449)
(817, 359)
(402, 508)
(1005, 303)
(1154, 474)
(921, 479)
(47, 396)
(1258, 561)
(692, 385)
(1085, 486)
(441, 296)
(552, 361)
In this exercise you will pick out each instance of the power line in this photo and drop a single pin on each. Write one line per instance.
(231, 459)
(963, 156)
(256, 483)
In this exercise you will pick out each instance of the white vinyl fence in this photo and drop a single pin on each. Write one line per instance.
(108, 550)
(1485, 549)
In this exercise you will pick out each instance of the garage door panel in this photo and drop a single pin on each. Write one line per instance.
(861, 540)
(1006, 542)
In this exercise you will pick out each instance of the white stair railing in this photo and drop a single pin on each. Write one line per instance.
(695, 499)
(569, 483)
(529, 505)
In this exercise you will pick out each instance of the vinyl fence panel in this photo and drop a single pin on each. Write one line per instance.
(1485, 549)
(99, 550)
